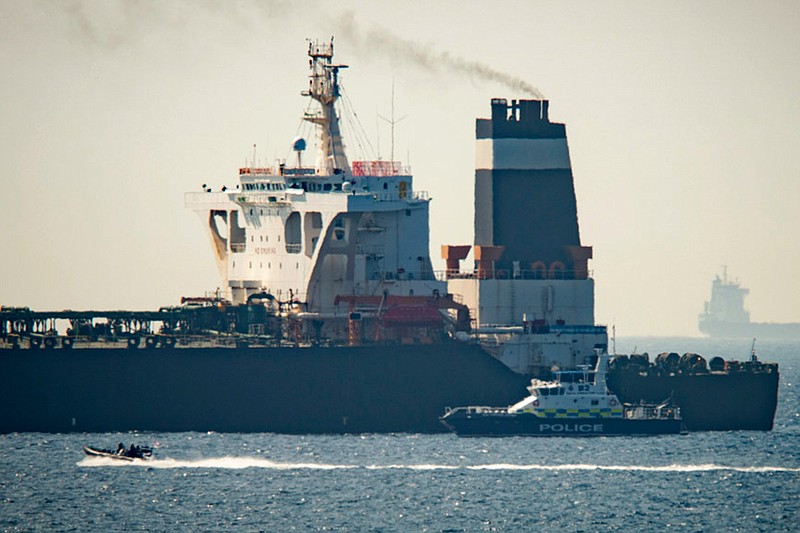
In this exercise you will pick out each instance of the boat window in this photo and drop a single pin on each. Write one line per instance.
(595, 402)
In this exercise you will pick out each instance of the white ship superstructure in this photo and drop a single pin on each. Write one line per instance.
(346, 243)
(533, 325)
(310, 234)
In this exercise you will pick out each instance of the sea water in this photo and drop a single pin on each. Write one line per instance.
(706, 481)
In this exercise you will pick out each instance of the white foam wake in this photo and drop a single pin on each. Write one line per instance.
(233, 463)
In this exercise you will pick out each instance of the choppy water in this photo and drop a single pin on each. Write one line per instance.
(727, 481)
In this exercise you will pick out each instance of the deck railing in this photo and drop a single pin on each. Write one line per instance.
(513, 274)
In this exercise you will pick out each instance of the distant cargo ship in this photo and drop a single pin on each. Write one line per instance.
(332, 318)
(725, 315)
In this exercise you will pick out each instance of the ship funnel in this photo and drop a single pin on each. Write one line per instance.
(524, 191)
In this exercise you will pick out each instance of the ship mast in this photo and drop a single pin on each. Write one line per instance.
(323, 86)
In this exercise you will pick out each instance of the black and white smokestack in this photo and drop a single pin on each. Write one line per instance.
(524, 192)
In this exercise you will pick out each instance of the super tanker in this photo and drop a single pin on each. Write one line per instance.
(332, 318)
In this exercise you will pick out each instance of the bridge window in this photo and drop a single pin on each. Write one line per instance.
(238, 236)
(312, 228)
(293, 233)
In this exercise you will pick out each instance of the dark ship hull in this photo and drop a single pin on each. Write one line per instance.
(402, 388)
(744, 399)
(287, 390)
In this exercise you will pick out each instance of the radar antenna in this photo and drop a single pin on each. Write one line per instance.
(393, 121)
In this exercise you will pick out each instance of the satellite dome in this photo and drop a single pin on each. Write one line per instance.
(299, 144)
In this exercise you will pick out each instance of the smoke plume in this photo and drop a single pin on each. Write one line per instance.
(114, 24)
(385, 43)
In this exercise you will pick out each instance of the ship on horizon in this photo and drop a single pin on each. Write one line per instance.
(725, 316)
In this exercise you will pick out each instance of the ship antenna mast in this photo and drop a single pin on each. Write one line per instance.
(323, 86)
(393, 122)
(614, 338)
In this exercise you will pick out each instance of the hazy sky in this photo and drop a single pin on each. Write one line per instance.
(683, 121)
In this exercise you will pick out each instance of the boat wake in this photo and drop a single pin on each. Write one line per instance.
(237, 463)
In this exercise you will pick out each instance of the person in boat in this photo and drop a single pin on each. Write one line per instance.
(134, 451)
(120, 449)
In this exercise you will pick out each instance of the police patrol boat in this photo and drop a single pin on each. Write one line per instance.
(576, 403)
